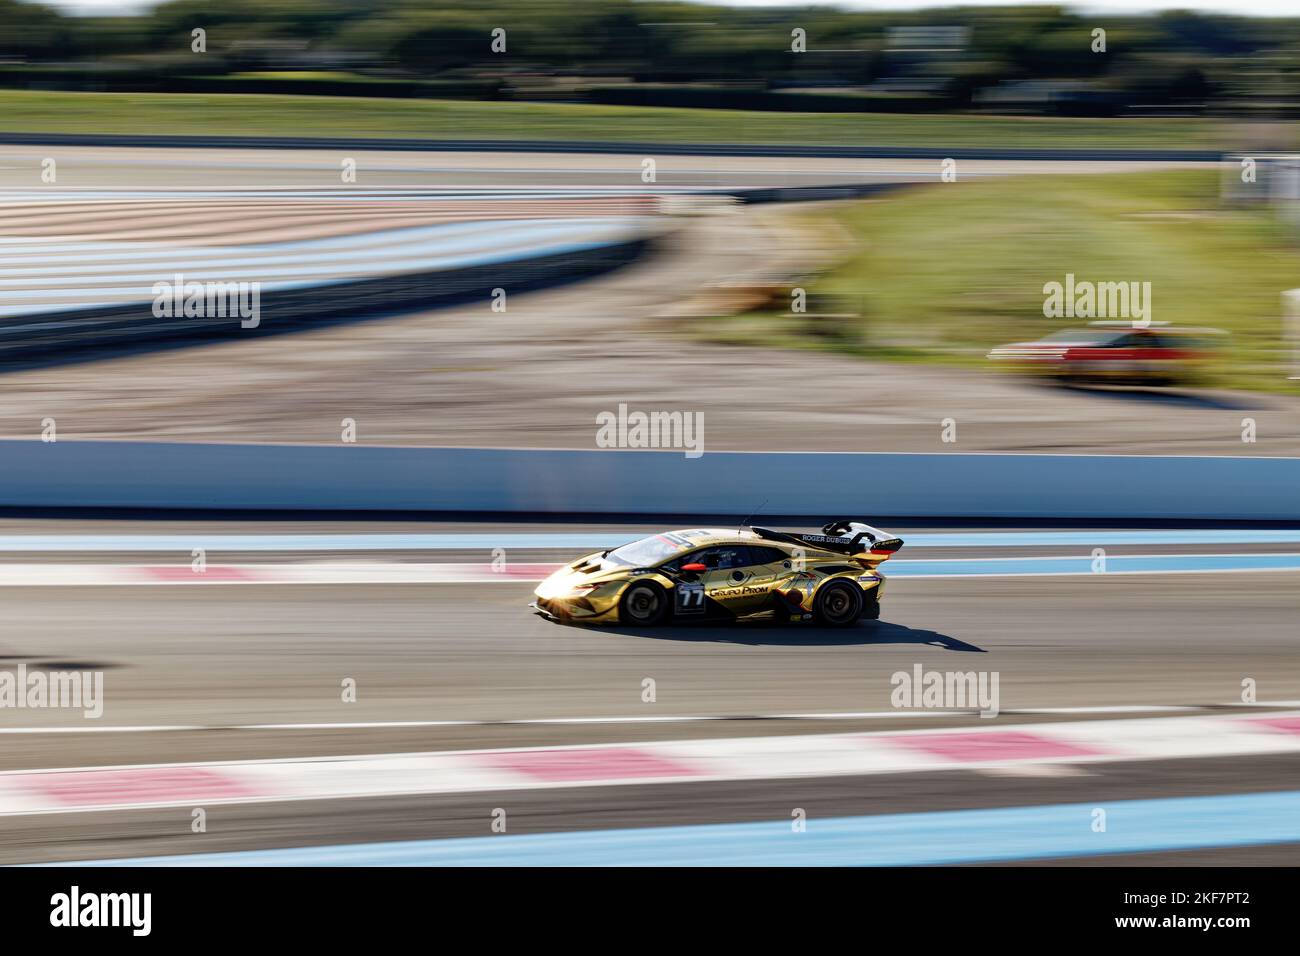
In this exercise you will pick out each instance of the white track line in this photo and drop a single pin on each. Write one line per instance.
(397, 572)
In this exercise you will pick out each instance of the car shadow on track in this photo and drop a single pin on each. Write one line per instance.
(766, 633)
(1153, 395)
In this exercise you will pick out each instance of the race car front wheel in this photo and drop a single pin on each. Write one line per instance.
(838, 604)
(644, 604)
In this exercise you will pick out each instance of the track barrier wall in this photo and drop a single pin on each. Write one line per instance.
(127, 474)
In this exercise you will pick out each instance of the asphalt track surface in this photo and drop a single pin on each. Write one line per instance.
(227, 657)
(138, 167)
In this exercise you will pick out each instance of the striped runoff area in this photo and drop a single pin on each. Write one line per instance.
(78, 249)
(399, 572)
(668, 762)
(277, 215)
(53, 274)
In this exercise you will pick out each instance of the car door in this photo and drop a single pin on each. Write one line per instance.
(769, 565)
(1152, 354)
(731, 582)
(717, 588)
(689, 592)
(1128, 355)
(742, 577)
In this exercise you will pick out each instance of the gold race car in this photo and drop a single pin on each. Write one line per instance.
(707, 574)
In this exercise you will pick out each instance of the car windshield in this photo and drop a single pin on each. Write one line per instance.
(647, 551)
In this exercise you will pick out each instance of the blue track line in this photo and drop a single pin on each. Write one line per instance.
(1084, 564)
(905, 839)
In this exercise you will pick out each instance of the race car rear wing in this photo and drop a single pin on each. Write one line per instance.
(846, 536)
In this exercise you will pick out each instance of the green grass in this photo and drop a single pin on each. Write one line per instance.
(271, 114)
(941, 273)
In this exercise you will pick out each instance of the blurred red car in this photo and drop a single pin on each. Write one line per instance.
(1115, 352)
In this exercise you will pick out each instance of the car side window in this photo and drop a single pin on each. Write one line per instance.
(676, 563)
(728, 558)
(717, 559)
(1137, 340)
(709, 557)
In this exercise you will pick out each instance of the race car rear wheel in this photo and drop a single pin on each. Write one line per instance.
(644, 604)
(838, 604)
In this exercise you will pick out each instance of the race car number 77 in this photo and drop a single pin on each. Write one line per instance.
(690, 598)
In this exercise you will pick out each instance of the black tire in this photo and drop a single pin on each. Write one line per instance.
(644, 604)
(838, 604)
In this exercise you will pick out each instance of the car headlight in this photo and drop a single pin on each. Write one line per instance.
(551, 587)
(560, 589)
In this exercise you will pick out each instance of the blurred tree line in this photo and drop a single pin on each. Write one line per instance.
(1040, 59)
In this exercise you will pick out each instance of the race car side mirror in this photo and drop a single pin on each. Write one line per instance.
(696, 568)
